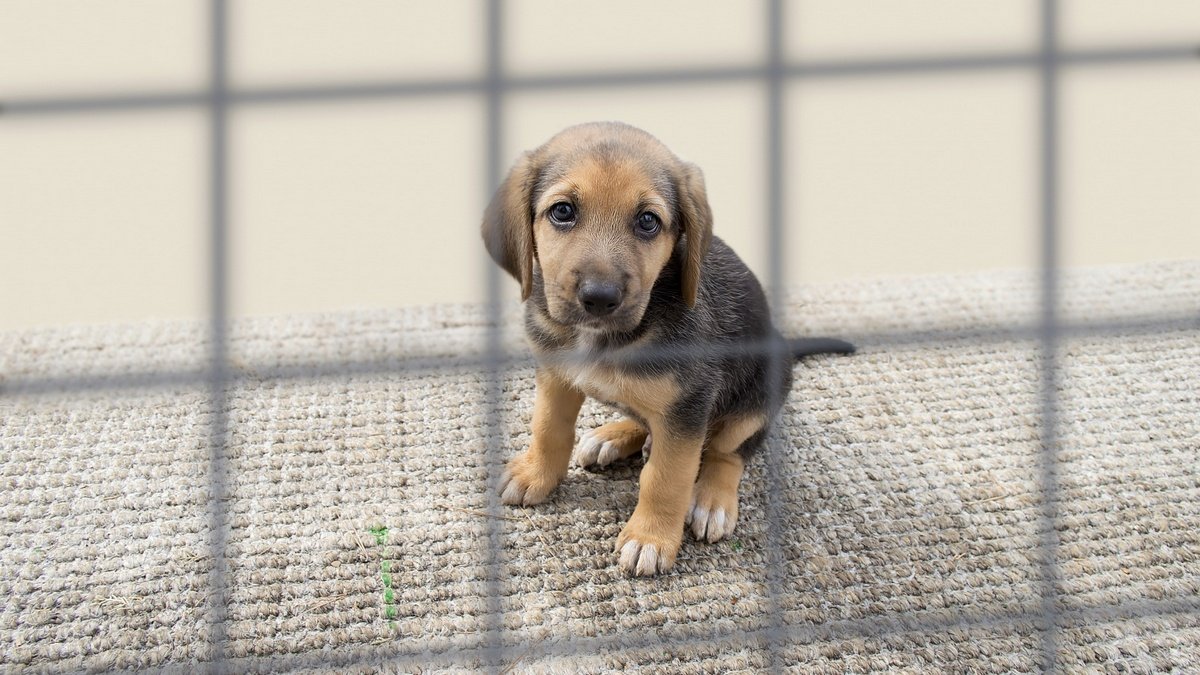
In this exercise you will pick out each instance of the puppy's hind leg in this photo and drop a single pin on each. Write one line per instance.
(610, 442)
(714, 511)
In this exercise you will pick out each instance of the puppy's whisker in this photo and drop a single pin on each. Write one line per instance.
(555, 286)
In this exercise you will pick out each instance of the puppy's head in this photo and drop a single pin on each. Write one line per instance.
(597, 211)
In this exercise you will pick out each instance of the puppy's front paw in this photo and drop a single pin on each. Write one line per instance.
(526, 481)
(644, 552)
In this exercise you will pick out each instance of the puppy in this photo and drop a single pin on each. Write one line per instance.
(631, 300)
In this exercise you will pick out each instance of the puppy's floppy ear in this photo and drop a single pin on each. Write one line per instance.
(508, 223)
(697, 227)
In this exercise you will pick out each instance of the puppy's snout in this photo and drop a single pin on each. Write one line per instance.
(600, 298)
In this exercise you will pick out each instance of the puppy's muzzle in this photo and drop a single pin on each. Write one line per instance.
(600, 298)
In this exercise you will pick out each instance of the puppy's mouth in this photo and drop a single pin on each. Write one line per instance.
(612, 324)
(622, 320)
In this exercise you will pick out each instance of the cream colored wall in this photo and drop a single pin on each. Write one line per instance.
(338, 205)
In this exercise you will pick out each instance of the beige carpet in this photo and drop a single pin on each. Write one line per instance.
(911, 514)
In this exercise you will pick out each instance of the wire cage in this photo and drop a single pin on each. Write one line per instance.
(774, 73)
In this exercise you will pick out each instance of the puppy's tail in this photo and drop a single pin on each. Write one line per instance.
(801, 347)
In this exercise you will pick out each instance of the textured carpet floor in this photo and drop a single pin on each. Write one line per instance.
(357, 534)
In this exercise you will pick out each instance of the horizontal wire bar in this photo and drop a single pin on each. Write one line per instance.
(875, 627)
(680, 636)
(126, 102)
(148, 381)
(317, 93)
(364, 91)
(985, 62)
(431, 364)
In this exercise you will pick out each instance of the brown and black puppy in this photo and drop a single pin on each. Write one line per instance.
(630, 300)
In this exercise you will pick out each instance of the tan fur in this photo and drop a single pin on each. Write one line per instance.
(650, 398)
(627, 435)
(729, 435)
(537, 471)
(515, 231)
(608, 196)
(663, 499)
(720, 473)
(717, 485)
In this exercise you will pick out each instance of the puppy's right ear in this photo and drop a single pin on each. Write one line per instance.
(697, 228)
(508, 223)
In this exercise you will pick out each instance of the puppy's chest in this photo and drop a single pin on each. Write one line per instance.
(647, 396)
(600, 382)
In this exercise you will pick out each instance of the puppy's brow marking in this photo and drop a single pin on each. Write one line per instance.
(597, 294)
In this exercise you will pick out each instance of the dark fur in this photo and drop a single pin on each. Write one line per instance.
(720, 350)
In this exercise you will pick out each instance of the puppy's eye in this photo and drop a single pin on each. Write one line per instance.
(648, 224)
(562, 213)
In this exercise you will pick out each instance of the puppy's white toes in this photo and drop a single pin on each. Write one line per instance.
(646, 448)
(629, 554)
(608, 453)
(716, 526)
(698, 518)
(640, 560)
(589, 450)
(511, 490)
(710, 526)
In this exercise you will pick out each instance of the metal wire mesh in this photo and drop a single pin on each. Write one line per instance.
(774, 73)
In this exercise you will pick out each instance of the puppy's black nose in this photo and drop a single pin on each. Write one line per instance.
(599, 298)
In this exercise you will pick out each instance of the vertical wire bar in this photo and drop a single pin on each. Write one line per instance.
(1049, 373)
(494, 628)
(218, 373)
(777, 359)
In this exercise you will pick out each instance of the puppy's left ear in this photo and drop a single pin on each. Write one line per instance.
(508, 223)
(697, 227)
